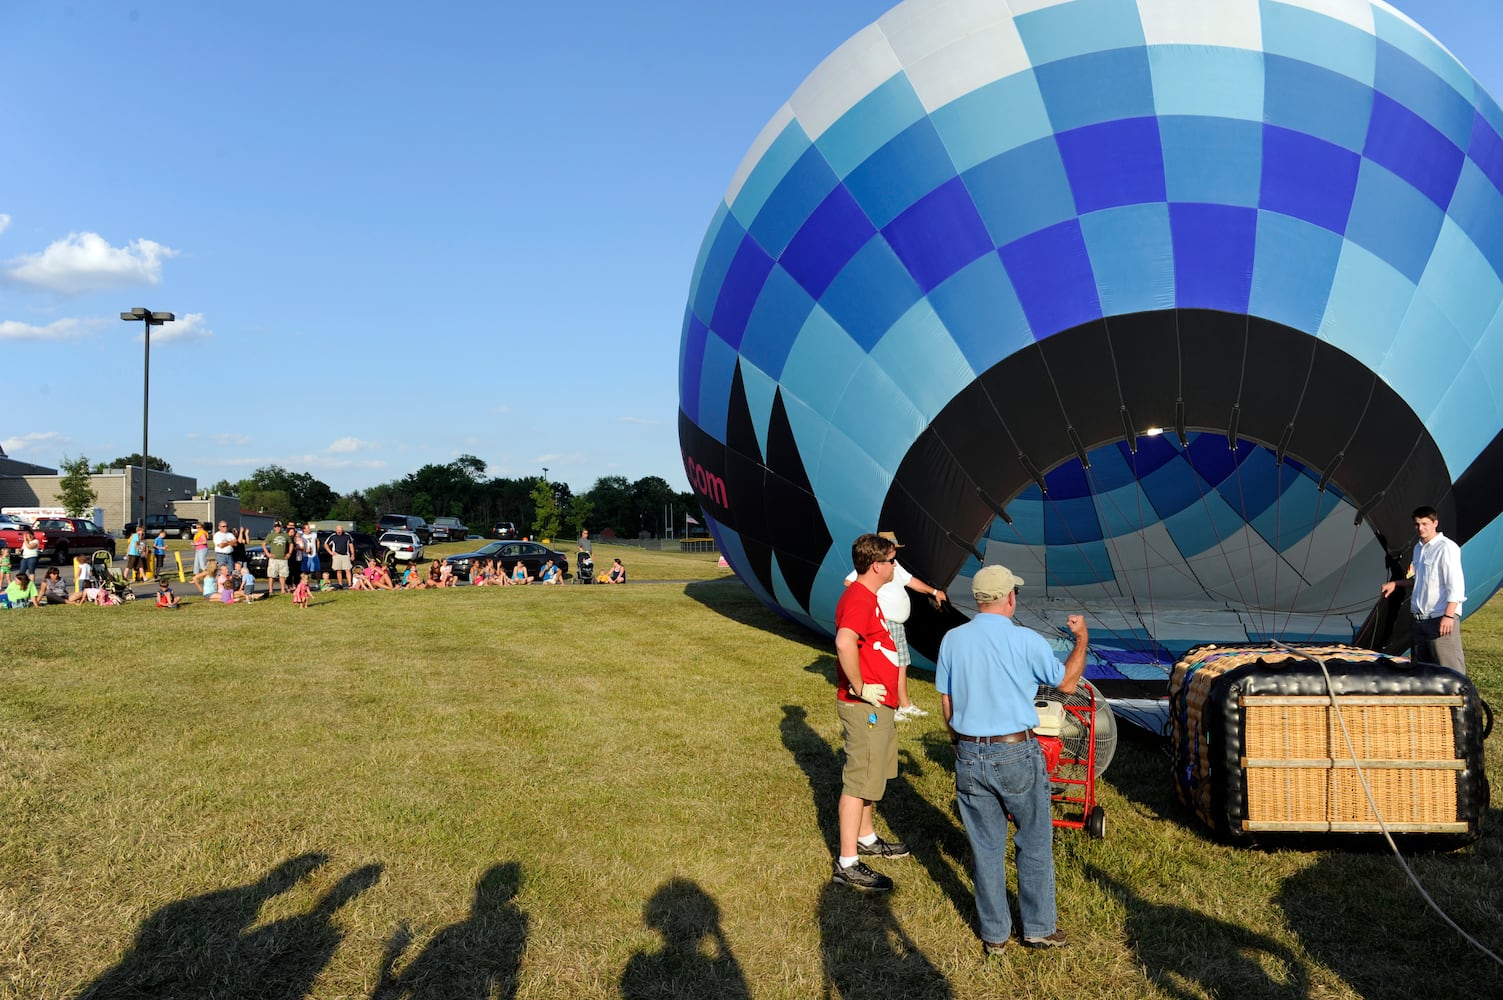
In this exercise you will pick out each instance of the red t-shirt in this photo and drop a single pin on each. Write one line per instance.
(859, 612)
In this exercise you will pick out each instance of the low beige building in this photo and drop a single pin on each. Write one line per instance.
(118, 494)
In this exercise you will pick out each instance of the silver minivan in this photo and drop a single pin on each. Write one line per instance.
(405, 522)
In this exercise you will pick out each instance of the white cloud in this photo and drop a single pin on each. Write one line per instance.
(575, 458)
(346, 445)
(60, 329)
(30, 444)
(85, 262)
(189, 326)
(4, 222)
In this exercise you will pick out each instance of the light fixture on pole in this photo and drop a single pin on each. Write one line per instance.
(148, 319)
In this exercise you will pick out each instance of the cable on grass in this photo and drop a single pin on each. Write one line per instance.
(1371, 804)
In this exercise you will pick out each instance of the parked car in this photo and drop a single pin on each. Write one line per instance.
(507, 554)
(448, 529)
(504, 530)
(366, 546)
(66, 537)
(405, 546)
(174, 526)
(405, 522)
(10, 522)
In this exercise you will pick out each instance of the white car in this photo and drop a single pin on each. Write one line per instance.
(405, 546)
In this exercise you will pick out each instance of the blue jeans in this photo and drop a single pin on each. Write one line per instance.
(992, 780)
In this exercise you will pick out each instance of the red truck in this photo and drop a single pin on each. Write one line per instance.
(63, 538)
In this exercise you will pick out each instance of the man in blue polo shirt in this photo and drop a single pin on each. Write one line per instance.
(988, 674)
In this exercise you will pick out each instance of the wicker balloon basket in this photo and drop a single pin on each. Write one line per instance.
(1260, 753)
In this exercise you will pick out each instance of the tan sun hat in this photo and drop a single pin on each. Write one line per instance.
(994, 583)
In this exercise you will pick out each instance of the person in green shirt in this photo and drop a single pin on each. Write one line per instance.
(278, 545)
(22, 593)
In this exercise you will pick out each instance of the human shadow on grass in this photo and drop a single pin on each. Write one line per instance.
(282, 960)
(820, 765)
(934, 839)
(1188, 954)
(866, 951)
(479, 957)
(1360, 916)
(189, 948)
(695, 960)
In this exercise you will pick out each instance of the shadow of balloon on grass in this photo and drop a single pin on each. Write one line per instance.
(1367, 889)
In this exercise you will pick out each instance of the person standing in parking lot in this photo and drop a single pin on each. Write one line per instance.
(224, 546)
(341, 549)
(278, 545)
(31, 551)
(307, 546)
(133, 556)
(200, 548)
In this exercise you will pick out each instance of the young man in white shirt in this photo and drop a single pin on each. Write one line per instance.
(1437, 593)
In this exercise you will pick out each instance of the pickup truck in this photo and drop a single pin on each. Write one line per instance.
(448, 529)
(62, 538)
(176, 527)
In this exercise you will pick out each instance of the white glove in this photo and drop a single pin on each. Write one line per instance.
(873, 694)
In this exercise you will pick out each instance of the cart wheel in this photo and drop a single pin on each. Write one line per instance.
(1095, 824)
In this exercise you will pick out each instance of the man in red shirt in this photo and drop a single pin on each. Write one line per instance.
(866, 693)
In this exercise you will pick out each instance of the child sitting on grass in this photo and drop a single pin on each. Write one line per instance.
(246, 585)
(166, 598)
(327, 583)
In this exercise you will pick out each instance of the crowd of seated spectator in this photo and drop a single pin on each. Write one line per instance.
(235, 584)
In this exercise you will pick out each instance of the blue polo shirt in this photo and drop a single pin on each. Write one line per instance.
(991, 669)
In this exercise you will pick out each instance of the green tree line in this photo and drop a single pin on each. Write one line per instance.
(536, 505)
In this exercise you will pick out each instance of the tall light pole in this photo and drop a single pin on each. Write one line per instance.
(148, 320)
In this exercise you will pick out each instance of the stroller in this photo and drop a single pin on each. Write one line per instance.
(101, 569)
(584, 568)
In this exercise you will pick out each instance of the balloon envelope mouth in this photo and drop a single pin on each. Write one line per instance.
(1173, 545)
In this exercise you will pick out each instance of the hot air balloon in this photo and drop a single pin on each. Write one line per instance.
(1177, 310)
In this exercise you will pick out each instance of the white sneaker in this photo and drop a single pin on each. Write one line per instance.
(912, 712)
(902, 714)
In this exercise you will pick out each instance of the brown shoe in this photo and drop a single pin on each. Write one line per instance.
(1055, 940)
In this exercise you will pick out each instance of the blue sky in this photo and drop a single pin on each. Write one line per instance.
(392, 233)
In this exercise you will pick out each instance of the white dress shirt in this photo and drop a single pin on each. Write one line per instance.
(1437, 578)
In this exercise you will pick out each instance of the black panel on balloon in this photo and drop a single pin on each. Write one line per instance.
(797, 528)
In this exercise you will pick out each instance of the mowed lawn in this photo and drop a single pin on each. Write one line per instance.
(599, 792)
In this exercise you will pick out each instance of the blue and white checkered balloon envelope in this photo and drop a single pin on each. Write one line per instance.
(1176, 309)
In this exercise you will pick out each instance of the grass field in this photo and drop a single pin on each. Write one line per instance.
(598, 792)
